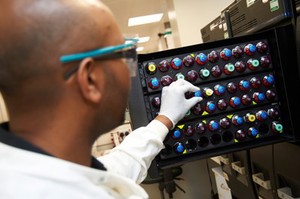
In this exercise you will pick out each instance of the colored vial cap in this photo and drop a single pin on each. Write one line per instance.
(153, 83)
(229, 68)
(211, 106)
(188, 113)
(220, 89)
(201, 59)
(179, 148)
(270, 79)
(208, 92)
(252, 64)
(279, 127)
(250, 117)
(179, 76)
(237, 120)
(225, 54)
(255, 63)
(151, 68)
(213, 125)
(198, 94)
(244, 85)
(204, 73)
(262, 115)
(235, 101)
(261, 97)
(176, 134)
(250, 49)
(176, 63)
(253, 132)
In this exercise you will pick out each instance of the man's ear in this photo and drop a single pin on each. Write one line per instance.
(87, 80)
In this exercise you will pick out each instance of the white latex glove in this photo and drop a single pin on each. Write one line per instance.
(174, 105)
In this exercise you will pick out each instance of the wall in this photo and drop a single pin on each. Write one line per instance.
(192, 15)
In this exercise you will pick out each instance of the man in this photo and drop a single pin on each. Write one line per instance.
(60, 100)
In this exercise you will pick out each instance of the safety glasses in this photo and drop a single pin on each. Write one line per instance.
(126, 51)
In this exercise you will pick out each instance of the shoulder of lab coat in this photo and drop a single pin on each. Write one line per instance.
(133, 156)
(26, 174)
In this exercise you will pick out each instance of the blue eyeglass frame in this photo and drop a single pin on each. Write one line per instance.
(109, 52)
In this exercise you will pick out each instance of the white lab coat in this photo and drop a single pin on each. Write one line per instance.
(25, 174)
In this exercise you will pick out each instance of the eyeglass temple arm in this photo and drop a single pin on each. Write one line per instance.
(69, 73)
(94, 53)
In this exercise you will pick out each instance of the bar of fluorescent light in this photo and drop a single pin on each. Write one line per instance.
(143, 39)
(140, 49)
(144, 19)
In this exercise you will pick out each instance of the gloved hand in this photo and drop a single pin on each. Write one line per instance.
(174, 105)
